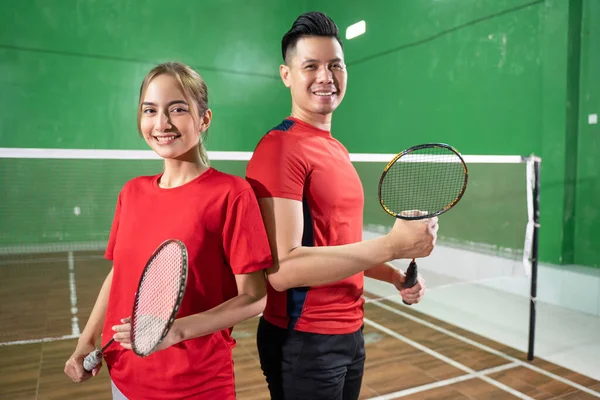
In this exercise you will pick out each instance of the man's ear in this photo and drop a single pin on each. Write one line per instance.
(284, 72)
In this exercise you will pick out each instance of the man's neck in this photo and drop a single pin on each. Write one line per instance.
(320, 121)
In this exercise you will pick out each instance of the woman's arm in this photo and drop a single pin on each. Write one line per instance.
(89, 336)
(249, 302)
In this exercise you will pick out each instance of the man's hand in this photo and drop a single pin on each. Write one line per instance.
(410, 295)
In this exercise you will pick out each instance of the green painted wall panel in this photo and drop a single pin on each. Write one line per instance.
(553, 117)
(71, 70)
(587, 198)
(466, 73)
(230, 35)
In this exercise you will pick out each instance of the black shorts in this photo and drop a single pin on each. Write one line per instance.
(301, 365)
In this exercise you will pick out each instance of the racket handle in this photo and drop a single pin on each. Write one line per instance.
(410, 278)
(92, 360)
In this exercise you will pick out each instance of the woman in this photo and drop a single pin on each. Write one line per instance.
(216, 216)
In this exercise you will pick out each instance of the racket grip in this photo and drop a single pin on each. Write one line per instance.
(92, 360)
(410, 278)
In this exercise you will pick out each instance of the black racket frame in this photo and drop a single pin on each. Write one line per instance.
(408, 151)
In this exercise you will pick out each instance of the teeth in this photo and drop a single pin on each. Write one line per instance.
(165, 138)
(323, 93)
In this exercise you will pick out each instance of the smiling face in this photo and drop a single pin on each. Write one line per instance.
(316, 75)
(170, 122)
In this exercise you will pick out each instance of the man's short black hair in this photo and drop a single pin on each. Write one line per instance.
(312, 23)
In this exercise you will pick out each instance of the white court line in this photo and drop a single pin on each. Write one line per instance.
(461, 283)
(487, 348)
(42, 340)
(45, 260)
(30, 249)
(448, 360)
(447, 382)
(39, 378)
(73, 294)
(448, 285)
(75, 331)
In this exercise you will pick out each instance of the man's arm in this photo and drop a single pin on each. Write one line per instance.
(382, 272)
(297, 266)
(386, 272)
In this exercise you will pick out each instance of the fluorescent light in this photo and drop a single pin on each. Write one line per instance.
(355, 30)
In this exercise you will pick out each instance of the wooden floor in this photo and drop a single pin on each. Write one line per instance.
(409, 355)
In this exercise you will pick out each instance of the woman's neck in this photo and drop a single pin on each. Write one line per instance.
(178, 172)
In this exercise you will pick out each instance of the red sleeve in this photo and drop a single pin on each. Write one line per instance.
(244, 236)
(277, 168)
(112, 239)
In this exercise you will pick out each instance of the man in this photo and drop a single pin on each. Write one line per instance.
(310, 336)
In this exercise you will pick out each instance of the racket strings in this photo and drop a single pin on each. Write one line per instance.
(158, 294)
(429, 179)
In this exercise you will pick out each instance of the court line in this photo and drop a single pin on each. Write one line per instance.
(376, 302)
(41, 340)
(446, 382)
(73, 295)
(448, 360)
(486, 348)
(39, 378)
(46, 260)
(56, 338)
(448, 285)
(54, 247)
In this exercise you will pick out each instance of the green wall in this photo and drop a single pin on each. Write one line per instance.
(586, 243)
(71, 70)
(463, 72)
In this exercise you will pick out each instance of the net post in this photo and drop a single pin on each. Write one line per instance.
(534, 257)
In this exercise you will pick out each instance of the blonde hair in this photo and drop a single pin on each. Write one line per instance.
(194, 89)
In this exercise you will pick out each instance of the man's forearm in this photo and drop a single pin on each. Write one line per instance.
(313, 266)
(382, 272)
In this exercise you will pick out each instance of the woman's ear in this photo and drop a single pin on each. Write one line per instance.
(205, 121)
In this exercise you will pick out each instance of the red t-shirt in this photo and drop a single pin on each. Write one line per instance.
(301, 162)
(217, 217)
